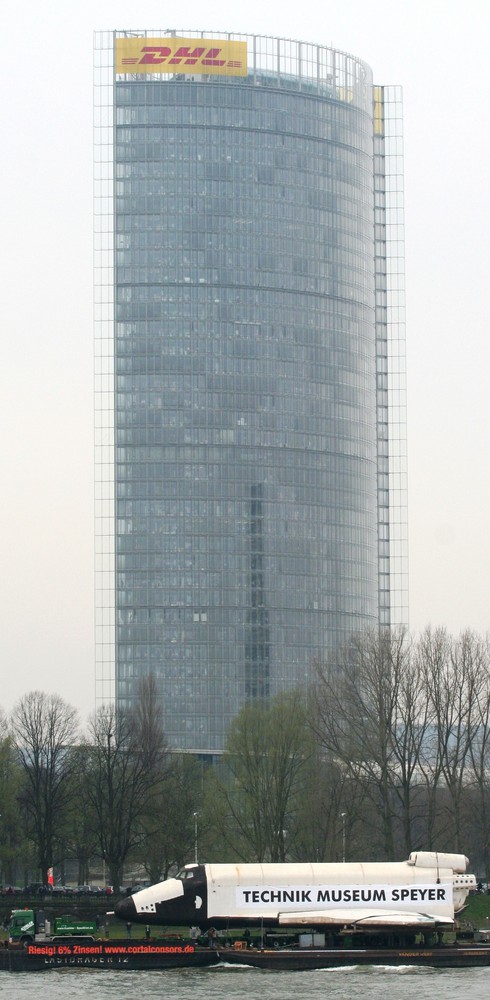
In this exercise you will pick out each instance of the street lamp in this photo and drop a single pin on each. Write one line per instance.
(343, 815)
(195, 837)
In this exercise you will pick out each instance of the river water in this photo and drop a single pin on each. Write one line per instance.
(226, 983)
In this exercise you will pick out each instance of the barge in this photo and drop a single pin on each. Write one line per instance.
(125, 955)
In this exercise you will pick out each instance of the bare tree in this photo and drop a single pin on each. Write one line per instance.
(371, 721)
(147, 724)
(479, 752)
(412, 726)
(45, 730)
(126, 763)
(432, 653)
(455, 680)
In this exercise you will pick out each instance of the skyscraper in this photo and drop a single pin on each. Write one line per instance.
(250, 382)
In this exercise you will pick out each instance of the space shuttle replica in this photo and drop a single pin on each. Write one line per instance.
(424, 892)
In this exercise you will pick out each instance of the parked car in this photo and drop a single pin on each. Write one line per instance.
(82, 890)
(131, 889)
(37, 889)
(59, 890)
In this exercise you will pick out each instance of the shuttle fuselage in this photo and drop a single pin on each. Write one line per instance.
(426, 890)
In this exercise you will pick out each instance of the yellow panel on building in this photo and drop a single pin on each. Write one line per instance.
(181, 55)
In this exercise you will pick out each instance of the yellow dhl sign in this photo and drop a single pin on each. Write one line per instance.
(181, 55)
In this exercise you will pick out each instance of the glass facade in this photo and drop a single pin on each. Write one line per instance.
(244, 363)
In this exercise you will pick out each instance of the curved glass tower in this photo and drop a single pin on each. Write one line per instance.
(248, 495)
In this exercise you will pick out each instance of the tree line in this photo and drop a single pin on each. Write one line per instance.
(109, 795)
(387, 752)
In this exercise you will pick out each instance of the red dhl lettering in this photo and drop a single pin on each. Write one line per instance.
(212, 59)
(190, 58)
(157, 55)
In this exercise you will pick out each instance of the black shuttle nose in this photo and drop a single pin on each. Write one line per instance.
(125, 909)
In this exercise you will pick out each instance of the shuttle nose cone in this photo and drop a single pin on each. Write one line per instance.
(125, 909)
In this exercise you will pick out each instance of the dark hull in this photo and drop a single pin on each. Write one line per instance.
(296, 959)
(105, 955)
(121, 955)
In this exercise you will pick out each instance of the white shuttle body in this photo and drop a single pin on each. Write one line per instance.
(425, 891)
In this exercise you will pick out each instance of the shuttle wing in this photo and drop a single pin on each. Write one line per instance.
(363, 918)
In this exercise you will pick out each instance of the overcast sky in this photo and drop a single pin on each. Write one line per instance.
(438, 51)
